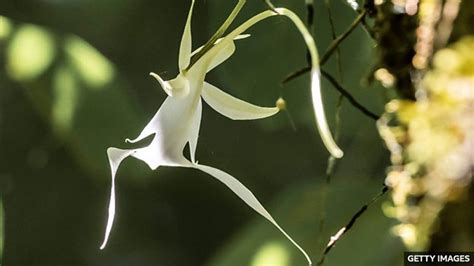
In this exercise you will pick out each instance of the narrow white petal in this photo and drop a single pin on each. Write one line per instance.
(315, 84)
(247, 196)
(219, 49)
(116, 156)
(224, 53)
(232, 107)
(186, 42)
(239, 37)
(318, 108)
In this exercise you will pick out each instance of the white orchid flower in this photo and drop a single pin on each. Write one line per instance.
(178, 119)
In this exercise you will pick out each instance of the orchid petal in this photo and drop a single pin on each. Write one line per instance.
(175, 124)
(166, 148)
(186, 42)
(315, 72)
(220, 47)
(232, 107)
(116, 156)
(315, 84)
(224, 53)
(164, 123)
(199, 70)
(239, 37)
(248, 197)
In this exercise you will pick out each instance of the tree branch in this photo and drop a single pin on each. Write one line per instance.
(335, 238)
(348, 96)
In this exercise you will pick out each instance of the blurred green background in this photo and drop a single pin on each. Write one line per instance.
(73, 81)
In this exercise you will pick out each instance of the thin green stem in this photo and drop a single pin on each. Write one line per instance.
(219, 33)
(334, 37)
(270, 5)
(370, 32)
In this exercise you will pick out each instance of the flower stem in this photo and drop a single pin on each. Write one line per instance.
(219, 33)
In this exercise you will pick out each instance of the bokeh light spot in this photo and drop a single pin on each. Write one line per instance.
(65, 99)
(272, 254)
(5, 27)
(29, 53)
(95, 70)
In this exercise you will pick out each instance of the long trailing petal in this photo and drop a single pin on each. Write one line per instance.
(186, 42)
(151, 155)
(232, 107)
(248, 197)
(315, 72)
(315, 84)
(116, 156)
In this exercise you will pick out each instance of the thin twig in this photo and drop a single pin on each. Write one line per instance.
(348, 96)
(334, 37)
(334, 239)
(332, 47)
(222, 29)
(341, 38)
(309, 24)
(370, 32)
(270, 5)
